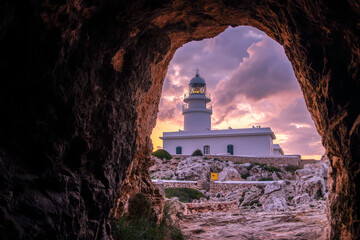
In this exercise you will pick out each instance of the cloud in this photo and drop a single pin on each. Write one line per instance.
(265, 72)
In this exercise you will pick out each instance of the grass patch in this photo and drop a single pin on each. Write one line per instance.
(141, 225)
(266, 179)
(292, 168)
(254, 202)
(239, 162)
(185, 195)
(206, 158)
(290, 198)
(311, 205)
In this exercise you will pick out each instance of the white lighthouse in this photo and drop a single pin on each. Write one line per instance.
(197, 115)
(197, 132)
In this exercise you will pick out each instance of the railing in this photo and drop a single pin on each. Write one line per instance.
(186, 107)
(186, 95)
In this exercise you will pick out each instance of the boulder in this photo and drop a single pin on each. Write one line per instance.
(229, 174)
(176, 209)
(275, 186)
(300, 199)
(192, 168)
(314, 186)
(216, 166)
(275, 203)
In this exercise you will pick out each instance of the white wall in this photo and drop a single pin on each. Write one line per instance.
(243, 145)
(197, 121)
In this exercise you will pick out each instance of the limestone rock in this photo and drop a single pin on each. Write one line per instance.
(275, 203)
(176, 209)
(193, 168)
(275, 186)
(229, 174)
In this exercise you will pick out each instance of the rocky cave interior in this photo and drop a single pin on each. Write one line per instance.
(81, 84)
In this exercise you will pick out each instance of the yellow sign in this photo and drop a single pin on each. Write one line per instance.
(214, 176)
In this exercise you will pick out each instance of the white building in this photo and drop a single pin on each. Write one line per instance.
(197, 134)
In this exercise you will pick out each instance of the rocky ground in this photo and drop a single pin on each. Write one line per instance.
(244, 224)
(293, 207)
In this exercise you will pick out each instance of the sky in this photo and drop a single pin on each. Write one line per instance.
(251, 83)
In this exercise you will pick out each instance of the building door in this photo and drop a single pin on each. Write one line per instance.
(230, 149)
(178, 150)
(206, 149)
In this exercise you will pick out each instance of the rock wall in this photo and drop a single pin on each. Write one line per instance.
(290, 160)
(81, 83)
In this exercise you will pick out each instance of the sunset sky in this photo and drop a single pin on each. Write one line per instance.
(251, 82)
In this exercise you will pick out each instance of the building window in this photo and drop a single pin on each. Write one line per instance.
(230, 149)
(179, 150)
(206, 149)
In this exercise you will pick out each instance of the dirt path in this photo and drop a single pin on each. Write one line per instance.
(255, 225)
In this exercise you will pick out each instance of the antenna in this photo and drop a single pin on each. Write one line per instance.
(197, 71)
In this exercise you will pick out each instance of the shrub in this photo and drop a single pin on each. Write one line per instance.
(139, 207)
(139, 226)
(185, 195)
(292, 168)
(161, 154)
(206, 158)
(197, 153)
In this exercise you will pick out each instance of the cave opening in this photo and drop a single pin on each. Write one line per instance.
(251, 83)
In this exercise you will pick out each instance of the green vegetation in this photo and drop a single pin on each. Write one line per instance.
(141, 225)
(217, 159)
(197, 153)
(292, 168)
(185, 195)
(266, 179)
(254, 202)
(239, 162)
(161, 154)
(177, 158)
(311, 205)
(290, 198)
(206, 158)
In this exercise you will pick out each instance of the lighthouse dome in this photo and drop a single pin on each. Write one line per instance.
(197, 81)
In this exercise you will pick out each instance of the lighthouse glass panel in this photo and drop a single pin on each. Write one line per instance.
(197, 90)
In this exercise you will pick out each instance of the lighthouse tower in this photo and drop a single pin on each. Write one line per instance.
(197, 115)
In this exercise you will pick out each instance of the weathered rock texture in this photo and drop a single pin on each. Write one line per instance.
(80, 87)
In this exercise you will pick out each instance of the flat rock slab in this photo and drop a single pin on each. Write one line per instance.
(255, 225)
